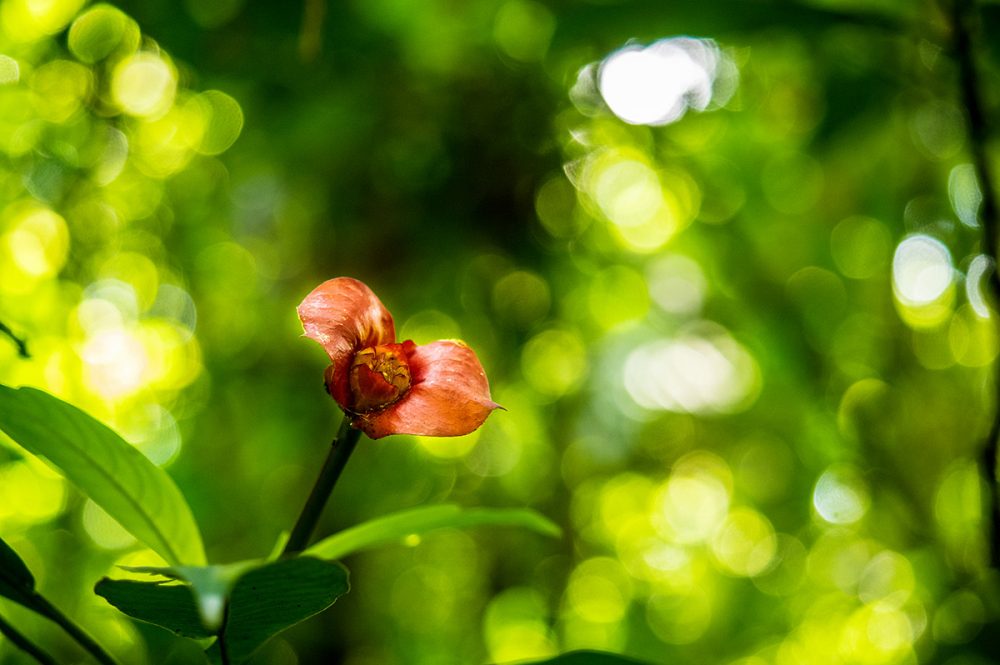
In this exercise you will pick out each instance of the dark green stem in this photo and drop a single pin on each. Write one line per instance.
(24, 644)
(964, 30)
(340, 452)
(22, 346)
(223, 650)
(74, 631)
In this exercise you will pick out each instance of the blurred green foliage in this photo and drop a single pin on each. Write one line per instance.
(745, 352)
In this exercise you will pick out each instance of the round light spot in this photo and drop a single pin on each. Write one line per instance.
(96, 32)
(923, 280)
(599, 590)
(618, 295)
(860, 247)
(554, 362)
(10, 71)
(655, 85)
(959, 618)
(677, 284)
(888, 578)
(690, 507)
(964, 193)
(921, 270)
(523, 29)
(37, 243)
(103, 529)
(115, 361)
(979, 269)
(679, 619)
(973, 339)
(515, 626)
(701, 371)
(521, 297)
(28, 20)
(745, 544)
(555, 205)
(841, 496)
(223, 121)
(144, 85)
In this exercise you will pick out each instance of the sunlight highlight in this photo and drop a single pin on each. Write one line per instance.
(655, 85)
(841, 496)
(923, 280)
(144, 85)
(701, 371)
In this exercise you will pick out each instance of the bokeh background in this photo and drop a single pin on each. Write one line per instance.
(720, 259)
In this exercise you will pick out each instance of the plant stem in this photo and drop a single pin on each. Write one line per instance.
(964, 27)
(340, 451)
(24, 644)
(82, 638)
(22, 346)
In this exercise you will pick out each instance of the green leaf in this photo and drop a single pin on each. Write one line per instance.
(170, 606)
(211, 584)
(262, 599)
(130, 488)
(421, 520)
(587, 658)
(16, 581)
(267, 600)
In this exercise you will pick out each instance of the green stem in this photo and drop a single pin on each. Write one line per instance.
(24, 644)
(74, 631)
(340, 451)
(22, 346)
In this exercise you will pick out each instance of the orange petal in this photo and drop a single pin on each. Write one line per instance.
(345, 316)
(449, 395)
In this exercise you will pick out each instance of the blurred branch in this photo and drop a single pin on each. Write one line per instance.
(652, 19)
(81, 637)
(22, 345)
(965, 29)
(311, 34)
(23, 643)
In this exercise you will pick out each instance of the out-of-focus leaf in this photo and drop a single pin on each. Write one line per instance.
(170, 606)
(130, 488)
(588, 658)
(421, 520)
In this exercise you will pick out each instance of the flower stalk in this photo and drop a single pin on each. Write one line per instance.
(340, 451)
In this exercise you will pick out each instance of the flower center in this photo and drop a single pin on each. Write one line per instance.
(379, 376)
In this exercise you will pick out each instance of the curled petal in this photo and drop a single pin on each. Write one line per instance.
(449, 395)
(345, 316)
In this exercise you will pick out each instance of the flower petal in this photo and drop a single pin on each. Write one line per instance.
(345, 316)
(449, 395)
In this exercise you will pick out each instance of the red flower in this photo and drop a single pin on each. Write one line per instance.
(438, 389)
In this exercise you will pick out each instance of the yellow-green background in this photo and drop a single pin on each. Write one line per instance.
(761, 447)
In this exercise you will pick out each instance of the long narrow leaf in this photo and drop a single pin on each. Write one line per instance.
(421, 520)
(130, 488)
